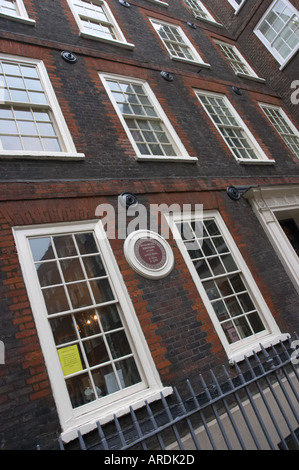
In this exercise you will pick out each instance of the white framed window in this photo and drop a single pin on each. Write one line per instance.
(148, 128)
(177, 43)
(233, 130)
(199, 11)
(15, 10)
(97, 359)
(237, 309)
(283, 126)
(237, 4)
(279, 31)
(236, 60)
(96, 21)
(31, 122)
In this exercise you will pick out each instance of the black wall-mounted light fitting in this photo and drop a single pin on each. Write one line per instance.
(192, 25)
(69, 57)
(167, 76)
(237, 90)
(235, 192)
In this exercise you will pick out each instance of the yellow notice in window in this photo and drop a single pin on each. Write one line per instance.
(70, 359)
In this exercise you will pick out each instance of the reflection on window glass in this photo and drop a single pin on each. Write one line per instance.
(222, 281)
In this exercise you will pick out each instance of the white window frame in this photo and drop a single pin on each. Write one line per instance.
(262, 157)
(159, 2)
(268, 203)
(236, 6)
(196, 60)
(68, 150)
(251, 73)
(235, 351)
(21, 16)
(120, 41)
(283, 62)
(182, 156)
(286, 119)
(197, 12)
(85, 417)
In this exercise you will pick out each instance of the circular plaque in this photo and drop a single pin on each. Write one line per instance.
(149, 254)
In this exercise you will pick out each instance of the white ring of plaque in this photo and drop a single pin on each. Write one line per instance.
(149, 254)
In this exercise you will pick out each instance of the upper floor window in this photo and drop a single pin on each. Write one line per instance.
(177, 43)
(283, 126)
(199, 10)
(149, 131)
(237, 61)
(237, 4)
(96, 21)
(15, 9)
(31, 122)
(279, 30)
(232, 129)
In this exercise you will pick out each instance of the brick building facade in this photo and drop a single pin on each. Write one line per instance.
(86, 116)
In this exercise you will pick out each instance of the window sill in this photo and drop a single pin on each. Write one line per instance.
(42, 155)
(250, 77)
(192, 62)
(151, 158)
(114, 42)
(256, 162)
(255, 347)
(159, 2)
(89, 422)
(206, 20)
(19, 19)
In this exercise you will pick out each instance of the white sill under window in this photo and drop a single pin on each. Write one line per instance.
(88, 422)
(36, 155)
(250, 77)
(159, 2)
(207, 20)
(255, 161)
(153, 158)
(20, 19)
(126, 45)
(251, 348)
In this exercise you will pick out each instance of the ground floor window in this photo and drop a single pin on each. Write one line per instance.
(236, 307)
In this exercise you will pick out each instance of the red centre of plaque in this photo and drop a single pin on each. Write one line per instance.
(150, 253)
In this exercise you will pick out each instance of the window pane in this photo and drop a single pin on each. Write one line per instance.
(94, 266)
(87, 323)
(41, 248)
(72, 270)
(96, 351)
(63, 329)
(64, 246)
